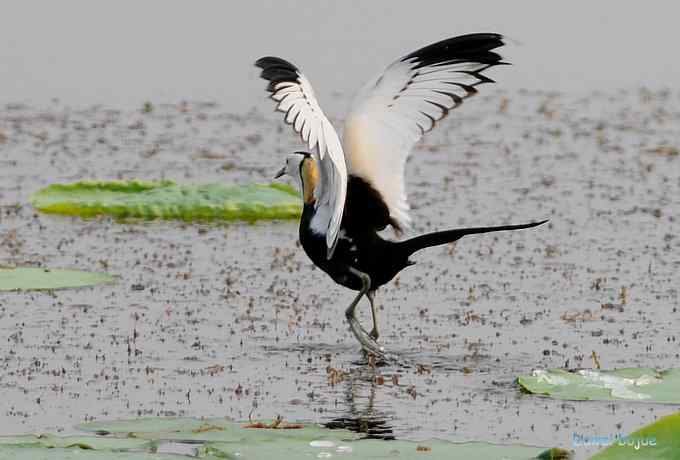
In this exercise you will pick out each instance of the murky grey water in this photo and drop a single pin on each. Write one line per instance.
(233, 319)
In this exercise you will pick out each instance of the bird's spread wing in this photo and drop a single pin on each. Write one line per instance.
(295, 97)
(393, 111)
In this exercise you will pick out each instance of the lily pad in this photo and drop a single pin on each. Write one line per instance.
(150, 424)
(213, 429)
(78, 447)
(30, 278)
(660, 440)
(41, 453)
(82, 442)
(222, 438)
(168, 200)
(645, 385)
(377, 449)
(24, 440)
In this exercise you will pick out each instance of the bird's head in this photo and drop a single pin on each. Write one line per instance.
(302, 167)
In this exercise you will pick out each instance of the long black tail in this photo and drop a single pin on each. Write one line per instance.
(449, 236)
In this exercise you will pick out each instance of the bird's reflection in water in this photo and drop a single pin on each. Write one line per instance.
(362, 415)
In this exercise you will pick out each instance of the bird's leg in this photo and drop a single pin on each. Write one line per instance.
(350, 313)
(371, 298)
(366, 341)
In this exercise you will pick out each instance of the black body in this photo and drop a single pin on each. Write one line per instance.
(362, 248)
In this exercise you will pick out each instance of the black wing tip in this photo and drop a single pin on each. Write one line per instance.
(276, 70)
(475, 47)
(273, 61)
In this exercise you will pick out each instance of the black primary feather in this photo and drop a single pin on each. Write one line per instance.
(464, 48)
(277, 70)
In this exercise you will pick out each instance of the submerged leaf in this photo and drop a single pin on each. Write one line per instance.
(167, 200)
(645, 385)
(30, 278)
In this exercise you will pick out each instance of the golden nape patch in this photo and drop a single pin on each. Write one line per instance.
(310, 178)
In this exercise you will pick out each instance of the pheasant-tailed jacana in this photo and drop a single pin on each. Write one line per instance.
(353, 193)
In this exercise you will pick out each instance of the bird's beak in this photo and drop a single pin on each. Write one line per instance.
(281, 172)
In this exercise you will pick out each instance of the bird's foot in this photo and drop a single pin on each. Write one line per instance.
(367, 342)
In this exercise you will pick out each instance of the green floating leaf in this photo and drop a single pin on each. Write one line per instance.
(221, 438)
(290, 449)
(660, 440)
(231, 440)
(78, 447)
(152, 425)
(82, 442)
(23, 440)
(167, 200)
(29, 278)
(42, 453)
(645, 385)
(213, 429)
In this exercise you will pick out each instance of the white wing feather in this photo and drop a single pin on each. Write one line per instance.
(393, 111)
(295, 97)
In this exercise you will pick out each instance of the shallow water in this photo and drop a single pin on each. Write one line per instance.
(215, 320)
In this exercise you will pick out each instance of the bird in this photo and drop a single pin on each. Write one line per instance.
(354, 189)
